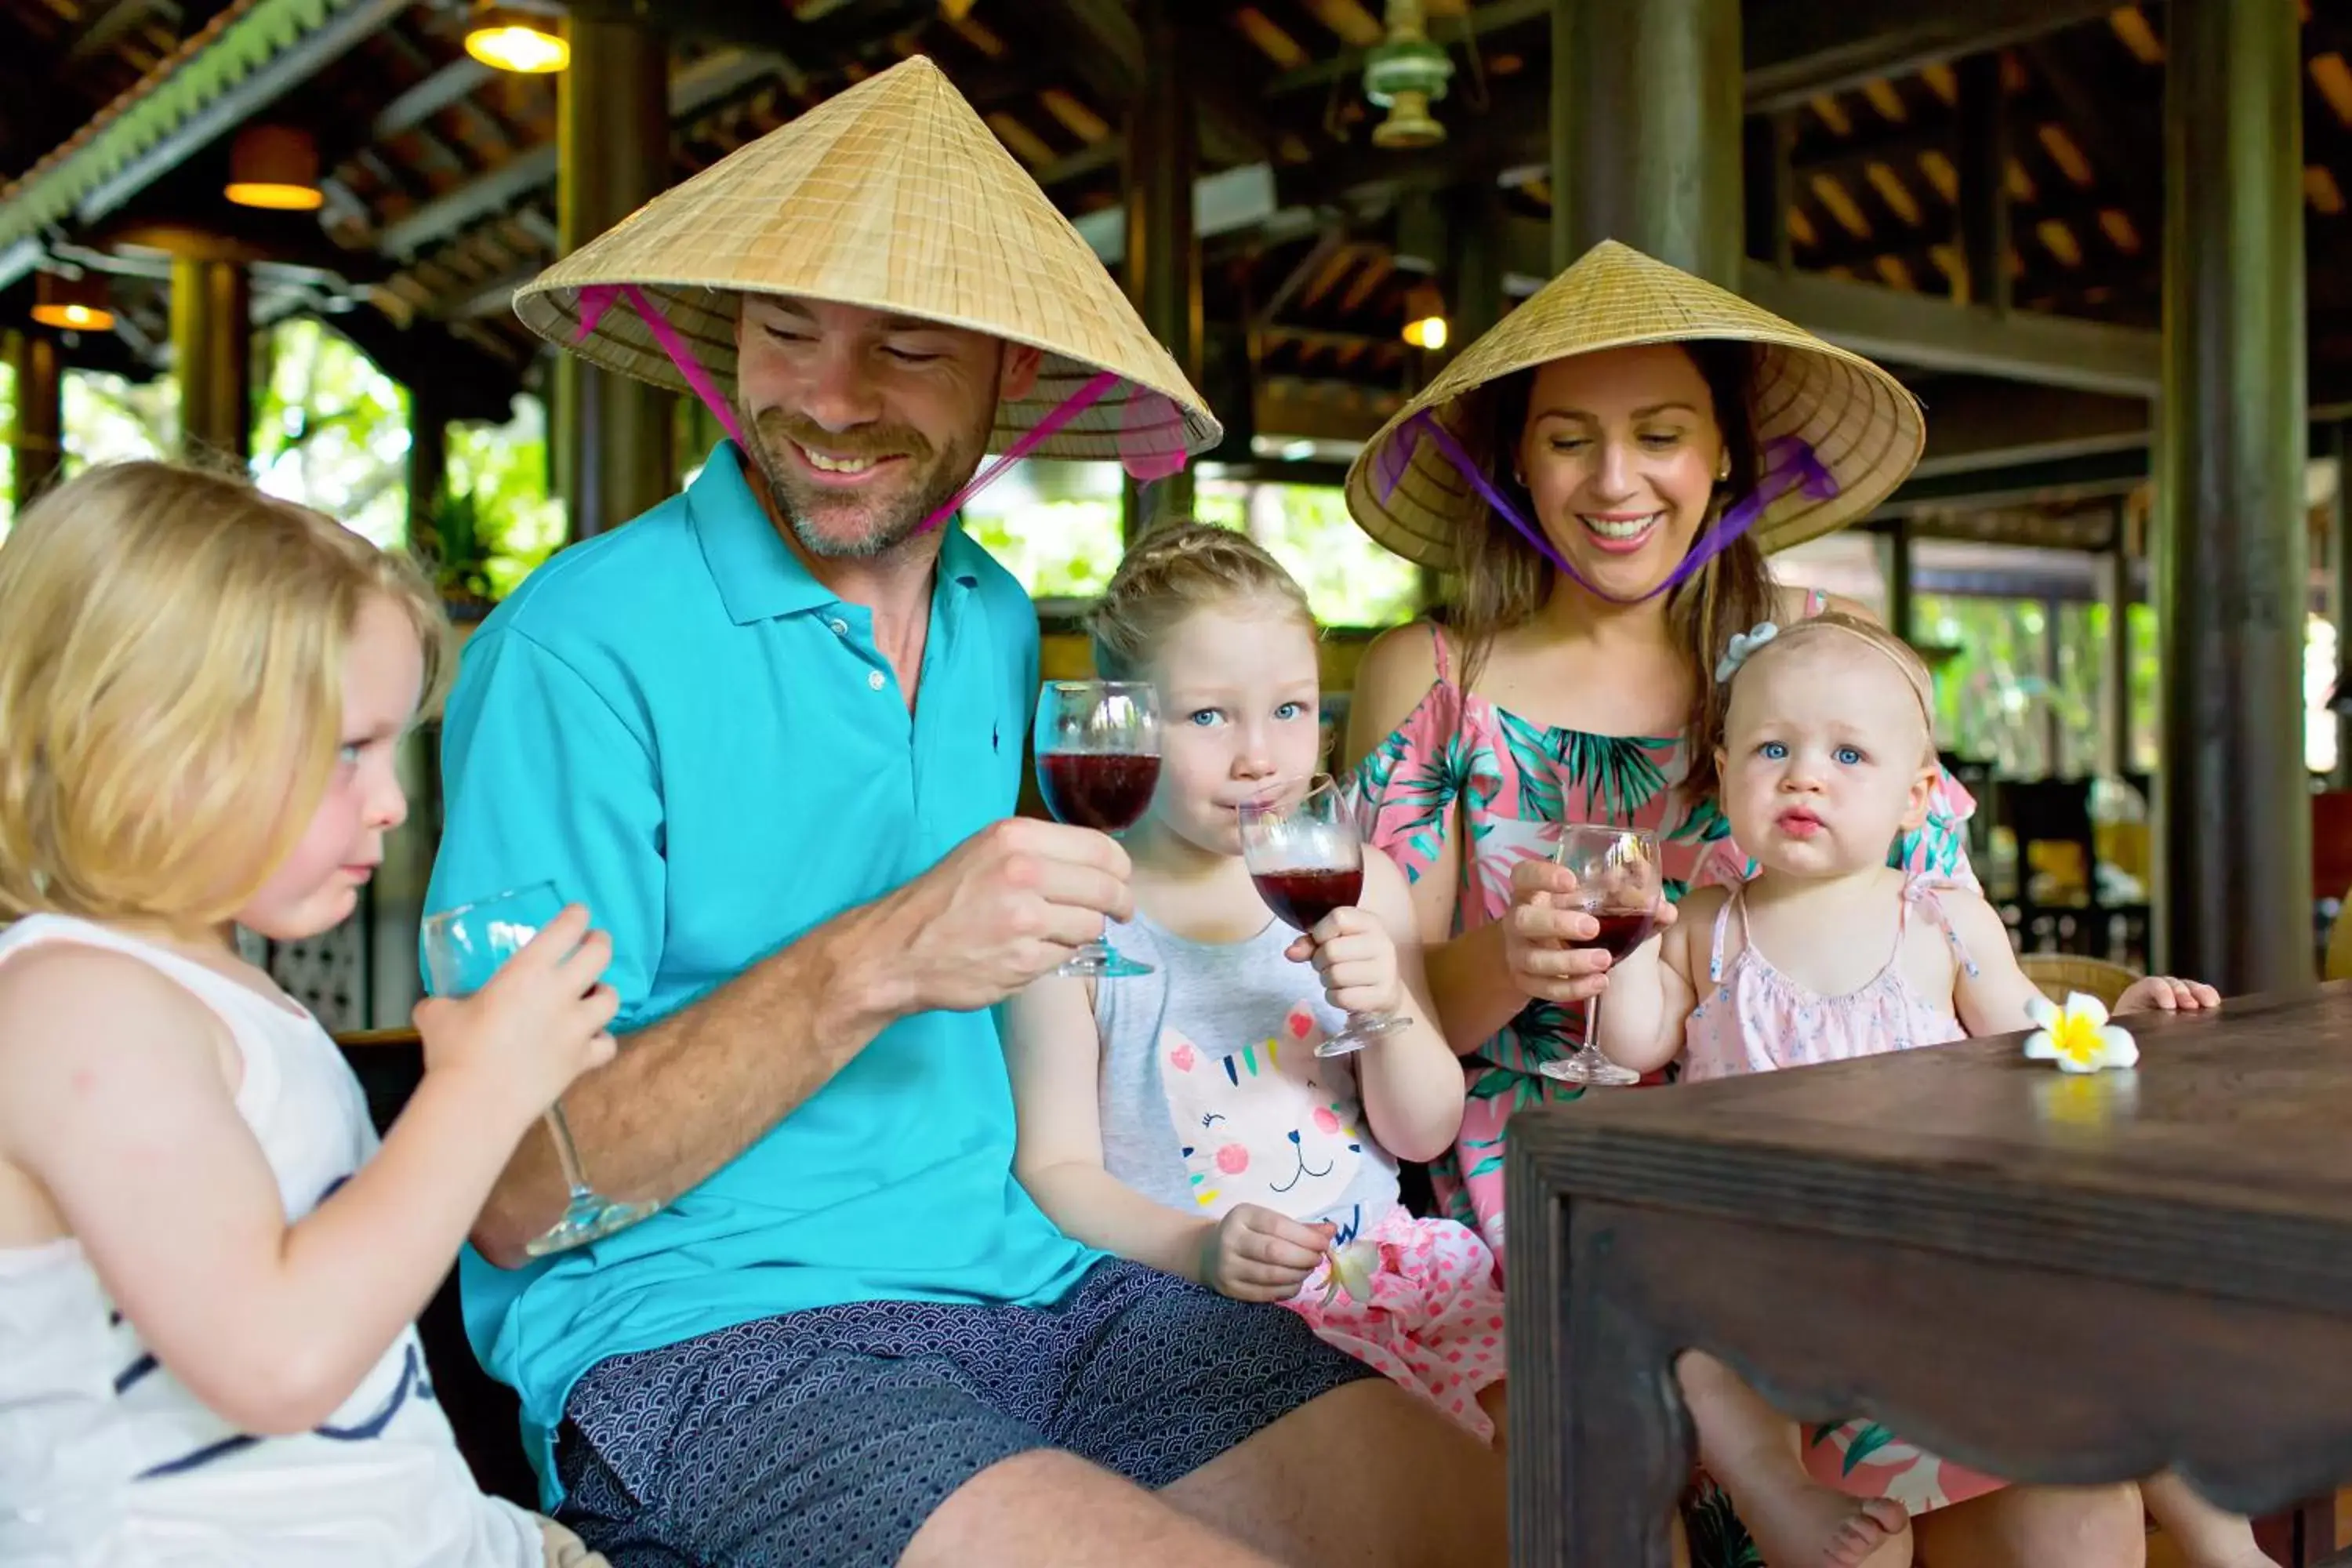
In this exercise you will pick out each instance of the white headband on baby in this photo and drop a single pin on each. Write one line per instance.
(1744, 644)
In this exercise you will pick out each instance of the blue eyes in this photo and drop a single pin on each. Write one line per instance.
(1208, 718)
(1778, 752)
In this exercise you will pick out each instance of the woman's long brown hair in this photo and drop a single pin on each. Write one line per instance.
(1501, 582)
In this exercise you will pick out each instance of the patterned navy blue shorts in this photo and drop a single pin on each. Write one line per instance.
(824, 1439)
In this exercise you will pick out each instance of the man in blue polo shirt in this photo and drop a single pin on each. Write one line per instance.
(770, 733)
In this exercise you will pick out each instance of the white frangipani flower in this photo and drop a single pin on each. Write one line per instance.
(2077, 1036)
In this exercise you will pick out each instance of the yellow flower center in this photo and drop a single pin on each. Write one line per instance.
(2074, 1036)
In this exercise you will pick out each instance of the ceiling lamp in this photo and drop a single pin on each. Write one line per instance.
(77, 304)
(517, 36)
(1424, 317)
(276, 167)
(1404, 74)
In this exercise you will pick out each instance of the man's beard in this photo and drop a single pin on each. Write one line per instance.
(885, 524)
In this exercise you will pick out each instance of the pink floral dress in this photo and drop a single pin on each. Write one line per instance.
(1512, 779)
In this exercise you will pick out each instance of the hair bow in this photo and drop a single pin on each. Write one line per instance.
(1743, 644)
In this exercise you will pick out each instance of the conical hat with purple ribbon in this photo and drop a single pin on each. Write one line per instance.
(1862, 426)
(896, 196)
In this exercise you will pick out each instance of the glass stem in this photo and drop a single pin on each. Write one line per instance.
(1591, 1022)
(567, 1153)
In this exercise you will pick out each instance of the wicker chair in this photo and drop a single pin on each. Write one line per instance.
(2056, 973)
(2340, 945)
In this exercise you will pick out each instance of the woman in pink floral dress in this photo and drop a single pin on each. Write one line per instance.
(1665, 434)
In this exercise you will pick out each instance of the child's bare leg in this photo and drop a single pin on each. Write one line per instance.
(2207, 1536)
(1496, 1403)
(1752, 1450)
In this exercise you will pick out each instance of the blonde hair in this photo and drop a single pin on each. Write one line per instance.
(1177, 569)
(171, 651)
(1871, 635)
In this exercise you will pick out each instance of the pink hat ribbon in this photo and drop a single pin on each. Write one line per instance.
(1151, 430)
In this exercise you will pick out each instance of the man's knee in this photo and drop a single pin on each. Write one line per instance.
(1046, 1509)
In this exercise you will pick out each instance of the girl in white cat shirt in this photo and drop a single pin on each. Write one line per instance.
(1181, 1117)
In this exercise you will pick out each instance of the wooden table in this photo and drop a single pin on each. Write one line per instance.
(2055, 1277)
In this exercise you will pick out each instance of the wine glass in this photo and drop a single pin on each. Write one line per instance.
(1098, 745)
(1619, 884)
(463, 948)
(1304, 855)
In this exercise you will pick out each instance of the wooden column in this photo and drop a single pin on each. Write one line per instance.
(2330, 441)
(1982, 155)
(211, 355)
(1163, 245)
(612, 115)
(2116, 589)
(1770, 187)
(2235, 868)
(1645, 132)
(1474, 267)
(38, 441)
(429, 459)
(1896, 556)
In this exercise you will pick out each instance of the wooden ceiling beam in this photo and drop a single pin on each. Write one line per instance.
(1795, 48)
(1105, 48)
(1920, 330)
(708, 80)
(110, 22)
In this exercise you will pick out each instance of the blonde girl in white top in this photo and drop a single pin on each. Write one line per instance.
(209, 1271)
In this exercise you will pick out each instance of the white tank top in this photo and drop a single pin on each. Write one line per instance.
(107, 1461)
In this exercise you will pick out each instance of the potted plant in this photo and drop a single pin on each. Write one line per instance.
(459, 538)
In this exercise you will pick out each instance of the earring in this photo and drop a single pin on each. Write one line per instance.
(1723, 469)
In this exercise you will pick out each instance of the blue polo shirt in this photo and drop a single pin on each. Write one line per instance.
(679, 726)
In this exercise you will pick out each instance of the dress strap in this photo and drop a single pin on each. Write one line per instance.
(1919, 890)
(1723, 925)
(1439, 652)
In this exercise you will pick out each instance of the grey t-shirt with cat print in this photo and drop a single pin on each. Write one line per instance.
(1212, 1092)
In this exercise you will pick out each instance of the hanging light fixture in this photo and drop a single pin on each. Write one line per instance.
(275, 167)
(76, 304)
(1405, 73)
(520, 35)
(1424, 317)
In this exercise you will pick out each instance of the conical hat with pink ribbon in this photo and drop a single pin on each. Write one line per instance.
(893, 195)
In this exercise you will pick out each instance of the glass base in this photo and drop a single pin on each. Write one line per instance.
(1101, 961)
(1589, 1067)
(590, 1219)
(1362, 1030)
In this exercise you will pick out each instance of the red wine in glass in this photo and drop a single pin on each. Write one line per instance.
(1098, 749)
(1301, 899)
(1618, 884)
(1107, 792)
(1306, 861)
(1621, 931)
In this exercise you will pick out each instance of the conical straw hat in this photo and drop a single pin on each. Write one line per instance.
(893, 195)
(1863, 425)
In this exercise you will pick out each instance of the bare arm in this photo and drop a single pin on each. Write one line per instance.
(1651, 994)
(1412, 1081)
(1993, 1001)
(690, 1092)
(113, 1096)
(1054, 1056)
(1477, 981)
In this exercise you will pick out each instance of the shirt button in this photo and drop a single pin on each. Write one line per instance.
(874, 678)
(840, 627)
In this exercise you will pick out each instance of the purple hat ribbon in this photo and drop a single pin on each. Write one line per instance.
(1789, 464)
